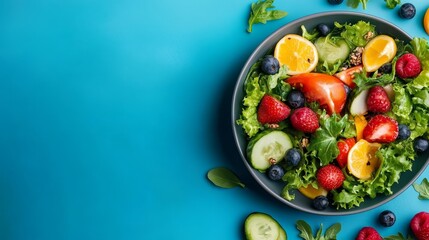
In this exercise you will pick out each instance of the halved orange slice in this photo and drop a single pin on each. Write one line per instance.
(426, 21)
(378, 51)
(360, 124)
(312, 192)
(362, 161)
(297, 53)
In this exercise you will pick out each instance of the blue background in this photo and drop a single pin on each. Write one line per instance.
(112, 112)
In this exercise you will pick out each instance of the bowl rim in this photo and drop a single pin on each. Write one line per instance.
(240, 82)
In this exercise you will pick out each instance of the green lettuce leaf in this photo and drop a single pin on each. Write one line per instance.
(355, 34)
(392, 3)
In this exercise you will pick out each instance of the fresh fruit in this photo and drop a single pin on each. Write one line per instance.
(404, 132)
(297, 53)
(305, 120)
(275, 172)
(368, 233)
(272, 110)
(270, 65)
(381, 129)
(387, 218)
(419, 224)
(293, 157)
(295, 99)
(426, 21)
(358, 105)
(377, 100)
(332, 52)
(323, 29)
(335, 2)
(344, 146)
(360, 124)
(348, 90)
(385, 68)
(408, 66)
(261, 226)
(407, 11)
(327, 90)
(312, 192)
(362, 161)
(320, 202)
(330, 177)
(379, 50)
(348, 75)
(389, 91)
(420, 144)
(267, 148)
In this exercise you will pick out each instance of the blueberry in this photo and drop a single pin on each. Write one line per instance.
(335, 2)
(320, 202)
(404, 132)
(295, 99)
(348, 89)
(323, 29)
(270, 65)
(385, 68)
(420, 144)
(275, 172)
(293, 157)
(387, 218)
(407, 11)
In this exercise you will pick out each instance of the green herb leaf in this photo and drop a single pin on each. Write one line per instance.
(422, 189)
(399, 236)
(392, 3)
(260, 14)
(332, 231)
(306, 232)
(355, 3)
(224, 178)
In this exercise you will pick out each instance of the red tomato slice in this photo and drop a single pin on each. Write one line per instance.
(348, 75)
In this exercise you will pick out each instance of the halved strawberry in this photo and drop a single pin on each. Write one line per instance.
(381, 129)
(348, 75)
(272, 110)
(344, 145)
(420, 225)
(330, 177)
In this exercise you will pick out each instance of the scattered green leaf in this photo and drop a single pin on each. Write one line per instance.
(422, 189)
(224, 178)
(399, 236)
(260, 14)
(356, 3)
(392, 3)
(307, 232)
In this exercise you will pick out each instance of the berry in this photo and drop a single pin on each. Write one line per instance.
(270, 65)
(407, 11)
(408, 66)
(323, 29)
(275, 172)
(377, 100)
(420, 225)
(305, 120)
(295, 99)
(293, 157)
(385, 68)
(387, 218)
(420, 144)
(368, 233)
(404, 132)
(330, 177)
(381, 129)
(335, 2)
(344, 146)
(272, 110)
(320, 202)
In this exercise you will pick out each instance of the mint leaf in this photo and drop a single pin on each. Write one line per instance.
(422, 189)
(260, 14)
(224, 178)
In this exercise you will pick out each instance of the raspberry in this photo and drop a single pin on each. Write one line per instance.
(408, 66)
(420, 225)
(304, 119)
(377, 100)
(368, 233)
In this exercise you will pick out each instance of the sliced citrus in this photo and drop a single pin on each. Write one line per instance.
(312, 192)
(297, 53)
(378, 51)
(426, 21)
(360, 124)
(362, 161)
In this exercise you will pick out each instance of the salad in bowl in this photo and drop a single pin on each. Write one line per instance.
(332, 116)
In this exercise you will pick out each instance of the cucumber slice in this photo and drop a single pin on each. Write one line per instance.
(358, 105)
(266, 146)
(261, 226)
(332, 52)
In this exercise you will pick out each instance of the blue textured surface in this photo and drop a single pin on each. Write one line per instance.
(112, 112)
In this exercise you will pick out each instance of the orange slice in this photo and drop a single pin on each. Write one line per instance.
(378, 51)
(361, 161)
(426, 21)
(297, 53)
(360, 124)
(312, 192)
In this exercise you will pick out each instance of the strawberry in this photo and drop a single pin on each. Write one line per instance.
(368, 233)
(272, 110)
(408, 66)
(420, 225)
(377, 100)
(304, 119)
(344, 146)
(330, 177)
(381, 129)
